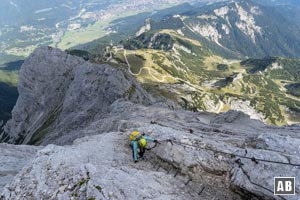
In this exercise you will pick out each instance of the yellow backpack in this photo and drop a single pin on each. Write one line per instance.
(134, 136)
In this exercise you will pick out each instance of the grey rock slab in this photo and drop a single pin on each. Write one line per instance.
(13, 159)
(43, 82)
(98, 167)
(63, 93)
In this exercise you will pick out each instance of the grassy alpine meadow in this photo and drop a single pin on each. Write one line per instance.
(205, 81)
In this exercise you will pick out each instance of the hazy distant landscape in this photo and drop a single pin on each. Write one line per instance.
(28, 24)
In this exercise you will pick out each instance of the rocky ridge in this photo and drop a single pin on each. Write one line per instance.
(234, 25)
(201, 155)
(56, 88)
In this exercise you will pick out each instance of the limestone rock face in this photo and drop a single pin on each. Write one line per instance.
(186, 165)
(63, 93)
(44, 79)
(13, 159)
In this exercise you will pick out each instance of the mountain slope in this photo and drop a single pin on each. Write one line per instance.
(25, 24)
(244, 28)
(51, 110)
(89, 108)
(279, 2)
(201, 155)
(187, 51)
(234, 29)
(186, 71)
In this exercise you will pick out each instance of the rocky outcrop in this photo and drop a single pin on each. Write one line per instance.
(245, 107)
(63, 93)
(13, 159)
(44, 79)
(145, 28)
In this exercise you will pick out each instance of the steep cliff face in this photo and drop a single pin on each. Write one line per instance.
(44, 79)
(246, 28)
(201, 155)
(63, 93)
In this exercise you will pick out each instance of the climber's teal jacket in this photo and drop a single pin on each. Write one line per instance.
(135, 146)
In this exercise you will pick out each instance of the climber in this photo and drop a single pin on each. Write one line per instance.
(139, 142)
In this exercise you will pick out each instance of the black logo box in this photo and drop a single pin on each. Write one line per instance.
(284, 183)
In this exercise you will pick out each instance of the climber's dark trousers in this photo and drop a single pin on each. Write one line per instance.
(142, 152)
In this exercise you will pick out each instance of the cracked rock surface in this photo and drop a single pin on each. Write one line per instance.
(13, 159)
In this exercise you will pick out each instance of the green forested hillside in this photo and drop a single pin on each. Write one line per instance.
(8, 89)
(8, 97)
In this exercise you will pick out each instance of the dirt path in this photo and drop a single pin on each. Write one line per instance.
(143, 68)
